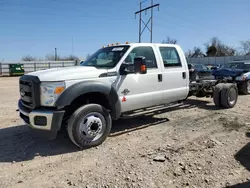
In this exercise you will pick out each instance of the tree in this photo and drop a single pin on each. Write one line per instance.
(51, 57)
(69, 58)
(245, 46)
(216, 48)
(28, 58)
(211, 50)
(195, 53)
(169, 41)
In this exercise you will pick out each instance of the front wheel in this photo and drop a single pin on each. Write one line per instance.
(89, 126)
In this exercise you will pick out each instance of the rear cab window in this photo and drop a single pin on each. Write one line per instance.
(170, 57)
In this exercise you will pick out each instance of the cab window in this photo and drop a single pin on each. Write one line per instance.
(170, 57)
(144, 51)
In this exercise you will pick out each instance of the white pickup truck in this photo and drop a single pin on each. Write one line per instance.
(114, 81)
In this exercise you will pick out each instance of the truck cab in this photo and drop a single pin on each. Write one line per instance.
(166, 78)
(115, 80)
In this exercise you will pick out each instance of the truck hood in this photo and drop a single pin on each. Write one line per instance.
(68, 73)
(226, 72)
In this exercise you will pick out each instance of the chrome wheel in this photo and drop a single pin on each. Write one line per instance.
(92, 126)
(197, 77)
(232, 96)
(248, 86)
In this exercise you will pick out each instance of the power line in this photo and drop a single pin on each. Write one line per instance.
(150, 19)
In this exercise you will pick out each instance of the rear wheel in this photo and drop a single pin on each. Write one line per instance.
(216, 94)
(246, 88)
(229, 95)
(89, 125)
(197, 76)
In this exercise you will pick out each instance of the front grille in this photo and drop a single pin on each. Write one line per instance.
(29, 91)
(26, 93)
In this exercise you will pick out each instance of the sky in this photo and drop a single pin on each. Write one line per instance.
(79, 27)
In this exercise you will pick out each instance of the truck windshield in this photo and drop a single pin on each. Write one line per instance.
(238, 65)
(106, 57)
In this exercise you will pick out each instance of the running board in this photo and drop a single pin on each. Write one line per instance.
(147, 111)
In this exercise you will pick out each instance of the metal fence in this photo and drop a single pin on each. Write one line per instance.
(35, 66)
(217, 60)
(42, 65)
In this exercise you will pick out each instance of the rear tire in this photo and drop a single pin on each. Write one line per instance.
(217, 94)
(229, 95)
(89, 126)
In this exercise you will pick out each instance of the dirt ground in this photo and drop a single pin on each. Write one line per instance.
(191, 145)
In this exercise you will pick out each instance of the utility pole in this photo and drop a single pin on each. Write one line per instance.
(150, 19)
(55, 54)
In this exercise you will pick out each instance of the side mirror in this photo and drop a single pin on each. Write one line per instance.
(140, 65)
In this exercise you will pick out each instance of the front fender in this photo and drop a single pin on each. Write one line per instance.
(80, 88)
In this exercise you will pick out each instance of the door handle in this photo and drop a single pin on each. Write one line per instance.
(159, 77)
(184, 75)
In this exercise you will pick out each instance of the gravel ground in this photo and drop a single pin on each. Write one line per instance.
(191, 145)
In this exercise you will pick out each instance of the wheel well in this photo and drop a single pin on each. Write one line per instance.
(92, 97)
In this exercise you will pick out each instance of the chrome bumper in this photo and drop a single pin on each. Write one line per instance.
(47, 120)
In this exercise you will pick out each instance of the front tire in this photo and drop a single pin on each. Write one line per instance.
(89, 126)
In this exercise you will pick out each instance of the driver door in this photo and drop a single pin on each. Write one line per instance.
(138, 91)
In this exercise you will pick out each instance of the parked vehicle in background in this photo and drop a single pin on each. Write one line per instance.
(237, 72)
(199, 71)
(113, 83)
(213, 66)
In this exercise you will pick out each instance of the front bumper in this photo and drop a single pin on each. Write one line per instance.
(41, 119)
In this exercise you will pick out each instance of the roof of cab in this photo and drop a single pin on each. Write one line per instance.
(151, 44)
(142, 44)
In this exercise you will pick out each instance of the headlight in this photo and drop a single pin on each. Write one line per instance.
(50, 91)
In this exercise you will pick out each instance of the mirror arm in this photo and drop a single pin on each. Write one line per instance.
(124, 70)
